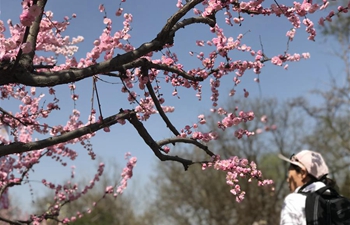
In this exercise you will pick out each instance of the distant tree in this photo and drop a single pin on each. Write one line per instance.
(330, 118)
(199, 197)
(339, 28)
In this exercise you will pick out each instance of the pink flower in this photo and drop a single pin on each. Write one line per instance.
(109, 189)
(26, 18)
(246, 93)
(200, 43)
(276, 60)
(101, 8)
(119, 12)
(166, 149)
(263, 119)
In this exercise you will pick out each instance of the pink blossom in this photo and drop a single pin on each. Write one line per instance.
(101, 8)
(166, 149)
(200, 43)
(109, 189)
(246, 93)
(26, 18)
(119, 12)
(276, 60)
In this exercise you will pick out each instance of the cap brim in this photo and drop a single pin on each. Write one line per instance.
(290, 161)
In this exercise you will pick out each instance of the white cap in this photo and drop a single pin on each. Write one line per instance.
(311, 161)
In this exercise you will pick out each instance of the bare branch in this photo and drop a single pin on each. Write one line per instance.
(97, 96)
(10, 221)
(200, 19)
(144, 71)
(185, 140)
(153, 145)
(20, 147)
(42, 66)
(174, 70)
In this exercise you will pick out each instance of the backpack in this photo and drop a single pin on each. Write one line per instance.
(326, 207)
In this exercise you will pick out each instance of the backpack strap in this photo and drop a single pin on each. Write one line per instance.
(333, 192)
(304, 186)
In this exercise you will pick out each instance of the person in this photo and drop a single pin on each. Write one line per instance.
(307, 173)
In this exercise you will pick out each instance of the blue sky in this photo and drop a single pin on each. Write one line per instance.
(148, 18)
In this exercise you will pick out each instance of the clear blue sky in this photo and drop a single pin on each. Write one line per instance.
(148, 18)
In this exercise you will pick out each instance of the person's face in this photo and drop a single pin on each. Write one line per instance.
(295, 179)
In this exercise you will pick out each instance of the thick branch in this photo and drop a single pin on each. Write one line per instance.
(53, 78)
(200, 19)
(23, 74)
(164, 33)
(34, 31)
(153, 145)
(20, 147)
(185, 140)
(119, 63)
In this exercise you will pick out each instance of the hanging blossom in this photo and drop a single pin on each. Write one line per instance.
(236, 169)
(126, 175)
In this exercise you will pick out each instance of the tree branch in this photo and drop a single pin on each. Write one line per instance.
(118, 63)
(20, 147)
(33, 33)
(21, 73)
(144, 71)
(153, 145)
(4, 112)
(200, 19)
(53, 78)
(163, 35)
(186, 140)
(10, 221)
(160, 66)
(174, 70)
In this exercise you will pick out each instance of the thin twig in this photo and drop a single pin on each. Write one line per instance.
(186, 140)
(7, 113)
(98, 98)
(153, 145)
(144, 72)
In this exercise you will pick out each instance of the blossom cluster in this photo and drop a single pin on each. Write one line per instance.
(71, 192)
(126, 175)
(29, 13)
(235, 169)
